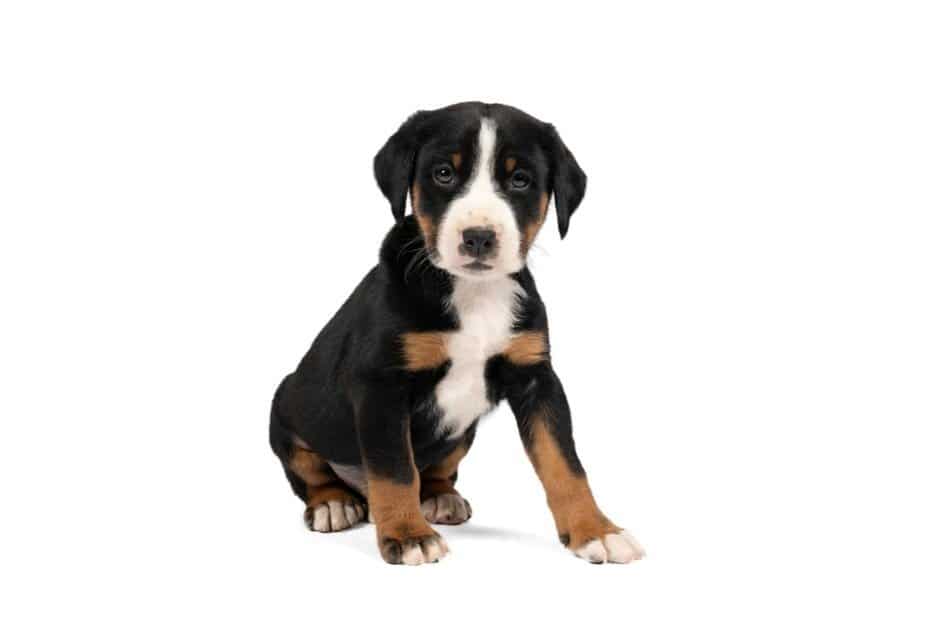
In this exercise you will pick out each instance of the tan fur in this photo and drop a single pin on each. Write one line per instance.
(577, 517)
(457, 159)
(396, 510)
(322, 485)
(312, 468)
(437, 479)
(527, 348)
(510, 164)
(426, 223)
(533, 228)
(424, 350)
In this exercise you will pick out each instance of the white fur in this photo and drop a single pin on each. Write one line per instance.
(486, 310)
(480, 205)
(593, 551)
(335, 516)
(428, 551)
(446, 508)
(616, 548)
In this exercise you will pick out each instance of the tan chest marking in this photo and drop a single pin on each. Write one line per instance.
(422, 351)
(527, 348)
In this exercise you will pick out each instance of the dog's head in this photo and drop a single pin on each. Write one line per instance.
(481, 177)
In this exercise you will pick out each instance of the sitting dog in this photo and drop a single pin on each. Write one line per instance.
(384, 406)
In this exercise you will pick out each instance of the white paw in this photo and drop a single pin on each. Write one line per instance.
(447, 509)
(614, 547)
(428, 551)
(414, 551)
(334, 516)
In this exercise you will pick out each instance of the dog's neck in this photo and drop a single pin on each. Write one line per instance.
(470, 293)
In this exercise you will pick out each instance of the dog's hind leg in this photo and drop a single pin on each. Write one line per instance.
(330, 504)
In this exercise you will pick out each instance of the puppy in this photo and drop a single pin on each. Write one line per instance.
(384, 406)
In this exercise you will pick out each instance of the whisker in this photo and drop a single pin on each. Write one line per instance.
(419, 255)
(408, 244)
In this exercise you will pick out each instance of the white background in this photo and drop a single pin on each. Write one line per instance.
(737, 313)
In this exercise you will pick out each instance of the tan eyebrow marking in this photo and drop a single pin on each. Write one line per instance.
(510, 163)
(457, 159)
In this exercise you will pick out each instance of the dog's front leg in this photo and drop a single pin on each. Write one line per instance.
(542, 412)
(403, 535)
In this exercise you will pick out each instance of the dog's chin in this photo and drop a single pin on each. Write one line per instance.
(475, 270)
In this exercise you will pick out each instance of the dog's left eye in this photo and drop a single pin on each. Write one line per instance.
(443, 174)
(520, 179)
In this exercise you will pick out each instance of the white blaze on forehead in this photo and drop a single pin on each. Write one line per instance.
(481, 205)
(482, 186)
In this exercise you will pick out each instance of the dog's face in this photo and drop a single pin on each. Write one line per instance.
(481, 178)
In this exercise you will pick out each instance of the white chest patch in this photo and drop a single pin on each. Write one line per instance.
(486, 310)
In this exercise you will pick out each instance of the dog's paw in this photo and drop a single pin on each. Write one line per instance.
(334, 515)
(446, 509)
(613, 547)
(413, 550)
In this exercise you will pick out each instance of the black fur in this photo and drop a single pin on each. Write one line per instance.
(568, 181)
(351, 399)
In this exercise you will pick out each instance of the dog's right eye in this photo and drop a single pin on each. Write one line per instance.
(444, 174)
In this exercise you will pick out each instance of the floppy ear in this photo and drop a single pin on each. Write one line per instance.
(394, 164)
(568, 181)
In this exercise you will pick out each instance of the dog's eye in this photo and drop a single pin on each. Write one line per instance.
(520, 179)
(443, 174)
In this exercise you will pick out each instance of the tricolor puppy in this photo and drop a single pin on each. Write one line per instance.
(384, 406)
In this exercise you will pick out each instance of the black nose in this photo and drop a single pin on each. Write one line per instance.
(478, 242)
